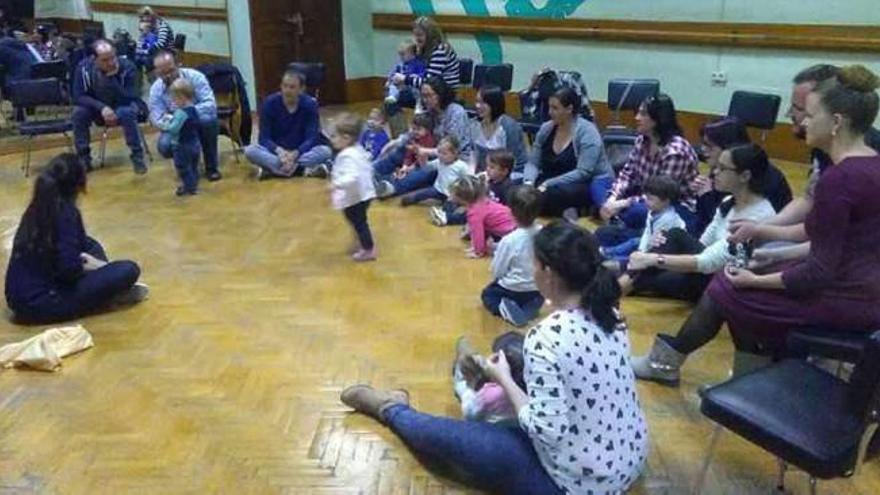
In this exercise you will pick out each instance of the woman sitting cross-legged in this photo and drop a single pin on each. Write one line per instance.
(581, 429)
(678, 265)
(56, 272)
(837, 286)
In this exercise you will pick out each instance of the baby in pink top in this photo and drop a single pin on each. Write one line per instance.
(482, 399)
(487, 220)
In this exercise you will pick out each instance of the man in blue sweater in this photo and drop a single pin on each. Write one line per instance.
(105, 91)
(290, 133)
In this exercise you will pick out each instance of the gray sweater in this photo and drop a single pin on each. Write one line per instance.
(588, 149)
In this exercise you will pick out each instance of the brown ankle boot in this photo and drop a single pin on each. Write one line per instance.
(367, 400)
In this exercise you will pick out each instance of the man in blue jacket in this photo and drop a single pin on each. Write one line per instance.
(105, 91)
(290, 133)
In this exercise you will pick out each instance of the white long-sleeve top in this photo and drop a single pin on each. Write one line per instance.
(512, 265)
(716, 254)
(352, 178)
(583, 416)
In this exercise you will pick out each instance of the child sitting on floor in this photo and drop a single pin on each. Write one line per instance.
(481, 398)
(661, 194)
(449, 169)
(487, 220)
(403, 152)
(513, 295)
(374, 138)
(183, 127)
(351, 182)
(499, 165)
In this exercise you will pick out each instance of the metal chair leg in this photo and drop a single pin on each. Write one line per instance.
(813, 486)
(69, 142)
(704, 470)
(780, 482)
(103, 146)
(26, 167)
(146, 146)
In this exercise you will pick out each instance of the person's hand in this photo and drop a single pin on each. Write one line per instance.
(702, 185)
(398, 78)
(659, 240)
(470, 253)
(109, 116)
(294, 156)
(542, 188)
(743, 231)
(497, 367)
(640, 261)
(90, 263)
(762, 258)
(612, 207)
(740, 277)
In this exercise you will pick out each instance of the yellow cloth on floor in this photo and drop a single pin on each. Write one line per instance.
(44, 351)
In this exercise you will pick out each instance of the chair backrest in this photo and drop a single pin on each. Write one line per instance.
(755, 109)
(314, 72)
(628, 94)
(864, 395)
(180, 42)
(500, 75)
(222, 83)
(29, 93)
(465, 71)
(44, 70)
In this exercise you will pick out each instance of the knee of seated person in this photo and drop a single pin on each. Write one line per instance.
(126, 113)
(81, 114)
(130, 270)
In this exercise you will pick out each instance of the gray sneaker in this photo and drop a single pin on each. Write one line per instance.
(137, 293)
(319, 171)
(384, 189)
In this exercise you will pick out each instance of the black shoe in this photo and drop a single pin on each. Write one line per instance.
(214, 175)
(181, 191)
(140, 167)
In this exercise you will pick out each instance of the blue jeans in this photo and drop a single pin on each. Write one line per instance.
(269, 161)
(455, 214)
(208, 131)
(388, 163)
(83, 117)
(356, 215)
(557, 199)
(419, 178)
(92, 291)
(530, 301)
(486, 456)
(420, 195)
(621, 251)
(186, 161)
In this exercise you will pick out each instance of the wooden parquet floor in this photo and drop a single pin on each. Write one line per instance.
(227, 379)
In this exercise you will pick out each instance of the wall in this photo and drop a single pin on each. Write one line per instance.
(684, 70)
(240, 36)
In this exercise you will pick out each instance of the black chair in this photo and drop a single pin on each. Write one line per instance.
(180, 42)
(755, 110)
(625, 95)
(55, 68)
(802, 414)
(465, 71)
(500, 75)
(226, 93)
(34, 93)
(314, 72)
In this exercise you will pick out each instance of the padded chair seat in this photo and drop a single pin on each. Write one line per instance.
(39, 128)
(785, 409)
(619, 135)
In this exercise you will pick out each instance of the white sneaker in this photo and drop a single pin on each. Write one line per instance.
(137, 293)
(319, 171)
(438, 216)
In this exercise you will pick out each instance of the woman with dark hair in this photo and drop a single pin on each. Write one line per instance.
(660, 149)
(837, 286)
(680, 266)
(568, 163)
(495, 130)
(450, 119)
(56, 272)
(581, 429)
(722, 135)
(437, 53)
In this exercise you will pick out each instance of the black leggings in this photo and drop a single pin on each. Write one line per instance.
(674, 285)
(356, 215)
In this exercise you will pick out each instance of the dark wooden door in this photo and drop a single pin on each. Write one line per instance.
(284, 31)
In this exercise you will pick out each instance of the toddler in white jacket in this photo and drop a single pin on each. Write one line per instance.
(351, 182)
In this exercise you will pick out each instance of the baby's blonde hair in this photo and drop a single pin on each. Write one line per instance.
(183, 88)
(348, 124)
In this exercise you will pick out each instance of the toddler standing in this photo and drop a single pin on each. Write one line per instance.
(183, 126)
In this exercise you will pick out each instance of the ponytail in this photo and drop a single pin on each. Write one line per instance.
(572, 253)
(601, 297)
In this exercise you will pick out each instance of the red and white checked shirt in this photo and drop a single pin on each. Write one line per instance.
(677, 160)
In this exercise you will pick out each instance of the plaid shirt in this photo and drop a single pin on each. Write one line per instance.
(677, 159)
